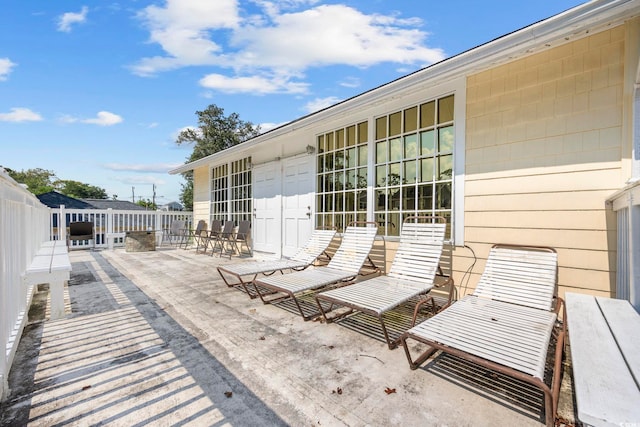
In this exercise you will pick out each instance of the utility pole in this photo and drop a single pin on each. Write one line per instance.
(154, 195)
(133, 194)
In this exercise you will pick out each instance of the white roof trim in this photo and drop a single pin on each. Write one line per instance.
(559, 29)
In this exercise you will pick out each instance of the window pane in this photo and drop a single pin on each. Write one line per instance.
(339, 160)
(393, 224)
(427, 114)
(319, 204)
(351, 158)
(427, 143)
(381, 152)
(445, 167)
(340, 138)
(320, 163)
(329, 139)
(445, 109)
(339, 202)
(328, 202)
(381, 127)
(362, 155)
(381, 175)
(351, 136)
(425, 196)
(362, 178)
(426, 169)
(411, 146)
(394, 174)
(409, 198)
(328, 182)
(328, 162)
(351, 179)
(395, 123)
(393, 199)
(362, 200)
(445, 139)
(410, 174)
(395, 149)
(443, 193)
(363, 132)
(339, 181)
(381, 200)
(350, 201)
(410, 119)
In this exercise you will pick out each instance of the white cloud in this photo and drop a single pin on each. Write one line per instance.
(182, 28)
(256, 85)
(20, 114)
(332, 34)
(143, 167)
(104, 118)
(320, 103)
(5, 68)
(270, 52)
(66, 20)
(351, 82)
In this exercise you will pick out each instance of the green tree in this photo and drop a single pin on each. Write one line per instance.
(80, 190)
(147, 204)
(38, 180)
(215, 132)
(41, 181)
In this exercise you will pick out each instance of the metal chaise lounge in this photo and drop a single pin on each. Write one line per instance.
(357, 242)
(412, 274)
(507, 323)
(315, 248)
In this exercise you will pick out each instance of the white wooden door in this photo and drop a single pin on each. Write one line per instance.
(267, 215)
(297, 203)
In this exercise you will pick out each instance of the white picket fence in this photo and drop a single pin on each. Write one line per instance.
(24, 225)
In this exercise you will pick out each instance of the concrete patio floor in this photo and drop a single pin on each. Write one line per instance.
(157, 338)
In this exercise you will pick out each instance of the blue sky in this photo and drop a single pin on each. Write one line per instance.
(97, 91)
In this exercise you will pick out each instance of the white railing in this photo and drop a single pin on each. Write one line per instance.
(24, 225)
(111, 224)
(626, 204)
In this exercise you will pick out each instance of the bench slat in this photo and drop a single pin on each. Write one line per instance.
(605, 390)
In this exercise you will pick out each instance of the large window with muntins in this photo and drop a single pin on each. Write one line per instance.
(231, 191)
(219, 193)
(414, 164)
(341, 195)
(241, 190)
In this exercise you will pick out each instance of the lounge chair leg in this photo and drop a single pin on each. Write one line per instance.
(420, 360)
(391, 344)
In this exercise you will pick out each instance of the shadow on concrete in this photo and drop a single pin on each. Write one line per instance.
(119, 358)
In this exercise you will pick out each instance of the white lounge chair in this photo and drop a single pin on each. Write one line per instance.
(315, 248)
(412, 274)
(357, 242)
(507, 323)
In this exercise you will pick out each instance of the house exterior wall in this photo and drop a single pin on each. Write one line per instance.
(543, 152)
(201, 202)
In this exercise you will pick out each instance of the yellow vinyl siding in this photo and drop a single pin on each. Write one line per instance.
(201, 201)
(543, 153)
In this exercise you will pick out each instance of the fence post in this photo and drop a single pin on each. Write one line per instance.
(62, 224)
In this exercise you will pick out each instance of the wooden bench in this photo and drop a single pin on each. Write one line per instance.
(605, 352)
(50, 265)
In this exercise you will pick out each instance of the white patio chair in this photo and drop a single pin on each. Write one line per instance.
(507, 323)
(357, 242)
(412, 274)
(307, 255)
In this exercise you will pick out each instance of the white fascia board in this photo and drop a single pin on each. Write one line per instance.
(559, 29)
